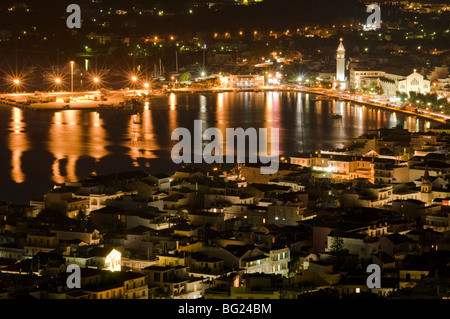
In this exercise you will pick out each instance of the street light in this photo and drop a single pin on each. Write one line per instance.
(134, 79)
(16, 84)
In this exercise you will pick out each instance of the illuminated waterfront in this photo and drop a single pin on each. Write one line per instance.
(40, 148)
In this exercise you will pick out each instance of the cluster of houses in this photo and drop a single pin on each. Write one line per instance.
(310, 229)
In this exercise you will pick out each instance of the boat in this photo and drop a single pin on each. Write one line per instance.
(336, 116)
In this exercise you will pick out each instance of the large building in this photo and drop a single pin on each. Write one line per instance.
(414, 82)
(340, 81)
(360, 78)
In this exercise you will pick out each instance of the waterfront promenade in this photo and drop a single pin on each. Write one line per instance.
(118, 99)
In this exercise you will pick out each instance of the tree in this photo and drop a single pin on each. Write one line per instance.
(401, 95)
(337, 244)
(337, 250)
(81, 215)
(184, 77)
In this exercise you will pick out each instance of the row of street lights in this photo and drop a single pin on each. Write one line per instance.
(134, 79)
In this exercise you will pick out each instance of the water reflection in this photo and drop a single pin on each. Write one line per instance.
(73, 134)
(82, 142)
(18, 144)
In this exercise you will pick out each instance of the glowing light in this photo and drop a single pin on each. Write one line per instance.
(134, 79)
(96, 79)
(16, 81)
(113, 260)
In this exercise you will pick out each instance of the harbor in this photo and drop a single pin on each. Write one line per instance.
(129, 99)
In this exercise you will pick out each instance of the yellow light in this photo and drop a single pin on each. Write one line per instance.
(16, 81)
(96, 79)
(58, 80)
(134, 79)
(113, 261)
(146, 85)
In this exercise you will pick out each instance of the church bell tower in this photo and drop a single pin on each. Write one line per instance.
(340, 80)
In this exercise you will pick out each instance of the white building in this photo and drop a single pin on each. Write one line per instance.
(392, 83)
(414, 82)
(364, 77)
(340, 81)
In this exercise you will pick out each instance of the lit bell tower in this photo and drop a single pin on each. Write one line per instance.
(340, 80)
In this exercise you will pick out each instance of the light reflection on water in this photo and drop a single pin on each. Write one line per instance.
(53, 147)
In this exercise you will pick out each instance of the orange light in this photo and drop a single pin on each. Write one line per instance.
(16, 81)
(58, 80)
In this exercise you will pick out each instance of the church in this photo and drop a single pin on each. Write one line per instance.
(340, 80)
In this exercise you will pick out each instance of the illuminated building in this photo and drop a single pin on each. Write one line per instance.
(247, 2)
(112, 261)
(414, 82)
(242, 81)
(338, 167)
(340, 81)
